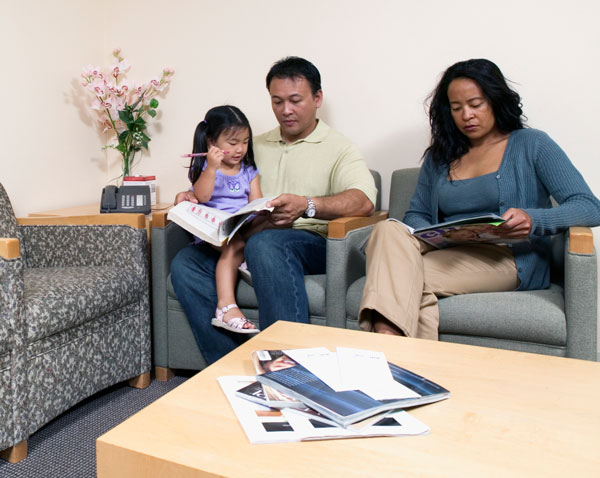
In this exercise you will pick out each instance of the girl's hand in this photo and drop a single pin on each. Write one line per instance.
(518, 224)
(214, 157)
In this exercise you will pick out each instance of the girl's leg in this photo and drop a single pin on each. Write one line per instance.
(232, 255)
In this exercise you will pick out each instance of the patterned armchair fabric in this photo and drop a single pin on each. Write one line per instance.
(74, 318)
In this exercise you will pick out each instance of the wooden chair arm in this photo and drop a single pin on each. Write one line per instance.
(9, 248)
(338, 228)
(137, 221)
(581, 240)
(159, 218)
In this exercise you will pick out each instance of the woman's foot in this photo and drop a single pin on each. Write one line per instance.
(381, 325)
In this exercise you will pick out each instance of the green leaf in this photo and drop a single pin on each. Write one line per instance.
(153, 102)
(126, 116)
(122, 148)
(152, 113)
(140, 123)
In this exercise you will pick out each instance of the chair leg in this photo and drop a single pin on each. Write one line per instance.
(163, 374)
(141, 381)
(15, 453)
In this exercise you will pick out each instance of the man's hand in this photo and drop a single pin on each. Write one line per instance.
(518, 224)
(185, 196)
(288, 208)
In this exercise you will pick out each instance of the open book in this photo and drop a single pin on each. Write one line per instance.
(213, 225)
(463, 231)
(351, 406)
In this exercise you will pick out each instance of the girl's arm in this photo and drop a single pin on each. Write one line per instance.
(255, 191)
(205, 184)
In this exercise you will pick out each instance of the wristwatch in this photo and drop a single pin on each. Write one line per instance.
(311, 210)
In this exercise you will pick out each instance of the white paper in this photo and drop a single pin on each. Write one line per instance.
(320, 362)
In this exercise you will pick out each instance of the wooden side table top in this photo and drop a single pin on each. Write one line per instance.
(510, 414)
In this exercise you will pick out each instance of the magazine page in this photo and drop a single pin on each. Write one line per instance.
(202, 221)
(231, 225)
(265, 425)
(266, 361)
(475, 229)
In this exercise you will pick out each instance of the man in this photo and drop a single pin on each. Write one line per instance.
(316, 174)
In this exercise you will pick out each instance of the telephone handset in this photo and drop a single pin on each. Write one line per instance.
(125, 199)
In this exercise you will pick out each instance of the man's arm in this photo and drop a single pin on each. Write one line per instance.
(289, 207)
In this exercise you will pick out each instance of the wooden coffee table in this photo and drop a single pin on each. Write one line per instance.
(510, 414)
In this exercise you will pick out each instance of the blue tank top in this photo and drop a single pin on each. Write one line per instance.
(459, 199)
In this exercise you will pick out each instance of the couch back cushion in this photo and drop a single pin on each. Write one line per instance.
(8, 222)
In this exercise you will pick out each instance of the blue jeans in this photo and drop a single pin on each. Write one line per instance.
(278, 259)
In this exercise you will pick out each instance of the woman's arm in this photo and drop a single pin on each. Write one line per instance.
(419, 211)
(577, 205)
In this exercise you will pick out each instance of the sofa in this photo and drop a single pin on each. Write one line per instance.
(560, 320)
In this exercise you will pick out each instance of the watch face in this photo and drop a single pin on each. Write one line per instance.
(310, 212)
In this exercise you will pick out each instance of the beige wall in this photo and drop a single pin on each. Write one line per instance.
(379, 60)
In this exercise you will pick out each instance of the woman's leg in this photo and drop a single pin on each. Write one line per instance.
(405, 276)
(232, 255)
(394, 283)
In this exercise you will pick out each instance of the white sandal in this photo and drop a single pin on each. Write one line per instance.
(233, 325)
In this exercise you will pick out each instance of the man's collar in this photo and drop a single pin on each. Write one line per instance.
(316, 136)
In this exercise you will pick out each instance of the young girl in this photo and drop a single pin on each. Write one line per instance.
(226, 178)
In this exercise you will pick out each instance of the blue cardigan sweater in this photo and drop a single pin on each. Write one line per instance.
(533, 168)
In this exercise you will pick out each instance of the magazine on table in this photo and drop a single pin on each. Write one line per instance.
(267, 425)
(350, 406)
(264, 361)
(213, 225)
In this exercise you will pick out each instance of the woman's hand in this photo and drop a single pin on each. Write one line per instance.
(518, 224)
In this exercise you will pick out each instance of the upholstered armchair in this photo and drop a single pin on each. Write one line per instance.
(74, 315)
(173, 343)
(560, 320)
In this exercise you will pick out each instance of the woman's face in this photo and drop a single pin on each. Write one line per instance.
(471, 110)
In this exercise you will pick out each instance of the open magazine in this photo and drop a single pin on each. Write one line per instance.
(351, 406)
(264, 361)
(267, 425)
(213, 225)
(482, 228)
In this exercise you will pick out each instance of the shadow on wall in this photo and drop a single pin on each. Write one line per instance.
(78, 97)
(401, 149)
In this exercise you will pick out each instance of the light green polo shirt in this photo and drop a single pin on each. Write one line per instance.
(324, 163)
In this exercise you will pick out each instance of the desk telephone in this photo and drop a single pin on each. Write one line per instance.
(126, 199)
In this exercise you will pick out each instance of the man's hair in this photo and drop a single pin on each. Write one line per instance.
(296, 67)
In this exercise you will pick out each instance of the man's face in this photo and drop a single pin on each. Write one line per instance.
(295, 107)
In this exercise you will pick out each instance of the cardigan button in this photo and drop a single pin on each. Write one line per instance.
(497, 176)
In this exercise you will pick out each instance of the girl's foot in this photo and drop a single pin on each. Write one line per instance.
(231, 318)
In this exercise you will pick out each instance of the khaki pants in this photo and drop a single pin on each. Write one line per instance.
(405, 276)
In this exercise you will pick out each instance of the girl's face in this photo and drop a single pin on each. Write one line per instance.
(235, 144)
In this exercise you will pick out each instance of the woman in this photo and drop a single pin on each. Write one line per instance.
(481, 160)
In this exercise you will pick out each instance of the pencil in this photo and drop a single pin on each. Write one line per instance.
(193, 155)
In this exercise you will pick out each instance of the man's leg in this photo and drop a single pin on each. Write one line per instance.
(193, 277)
(278, 259)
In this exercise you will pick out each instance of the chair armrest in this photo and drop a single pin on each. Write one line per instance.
(345, 264)
(338, 228)
(137, 221)
(581, 240)
(581, 294)
(159, 218)
(9, 248)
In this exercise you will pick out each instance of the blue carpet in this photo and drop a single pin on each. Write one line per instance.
(66, 447)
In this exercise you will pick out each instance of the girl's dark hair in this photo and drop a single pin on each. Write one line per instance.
(217, 121)
(448, 143)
